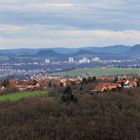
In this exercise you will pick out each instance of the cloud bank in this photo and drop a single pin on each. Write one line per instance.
(68, 23)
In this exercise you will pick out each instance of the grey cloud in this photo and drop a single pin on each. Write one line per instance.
(41, 18)
(83, 14)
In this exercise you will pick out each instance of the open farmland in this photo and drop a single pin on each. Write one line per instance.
(100, 72)
(23, 94)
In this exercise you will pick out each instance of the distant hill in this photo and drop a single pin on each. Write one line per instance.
(50, 54)
(47, 53)
(65, 50)
(134, 51)
(83, 52)
(109, 52)
(53, 54)
(116, 49)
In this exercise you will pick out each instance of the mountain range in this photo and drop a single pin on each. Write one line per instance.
(134, 50)
(109, 52)
(117, 51)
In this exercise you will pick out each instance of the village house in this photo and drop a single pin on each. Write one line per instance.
(26, 87)
(66, 81)
(122, 82)
(105, 86)
(130, 84)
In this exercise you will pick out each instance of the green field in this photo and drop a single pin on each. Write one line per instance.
(21, 95)
(3, 58)
(100, 72)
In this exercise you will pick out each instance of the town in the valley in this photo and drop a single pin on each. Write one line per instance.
(83, 84)
(25, 70)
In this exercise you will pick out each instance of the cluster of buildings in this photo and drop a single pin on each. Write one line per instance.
(84, 60)
(73, 60)
(102, 84)
(95, 60)
(35, 84)
(122, 83)
(28, 68)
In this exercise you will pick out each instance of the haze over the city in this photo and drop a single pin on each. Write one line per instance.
(68, 23)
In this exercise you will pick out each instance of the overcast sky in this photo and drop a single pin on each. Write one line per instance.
(68, 23)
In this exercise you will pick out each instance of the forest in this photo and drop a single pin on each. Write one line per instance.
(107, 116)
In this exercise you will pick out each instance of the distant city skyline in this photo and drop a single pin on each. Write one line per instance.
(68, 23)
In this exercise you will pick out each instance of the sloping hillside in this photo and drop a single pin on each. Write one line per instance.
(105, 117)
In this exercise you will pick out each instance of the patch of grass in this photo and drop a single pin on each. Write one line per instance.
(100, 72)
(23, 94)
(3, 58)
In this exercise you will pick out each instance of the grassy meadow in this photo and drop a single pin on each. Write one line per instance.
(22, 94)
(100, 72)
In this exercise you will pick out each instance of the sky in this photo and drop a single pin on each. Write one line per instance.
(68, 23)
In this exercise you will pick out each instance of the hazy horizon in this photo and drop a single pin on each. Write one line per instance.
(68, 23)
(69, 47)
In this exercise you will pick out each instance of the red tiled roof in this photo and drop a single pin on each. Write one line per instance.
(109, 86)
